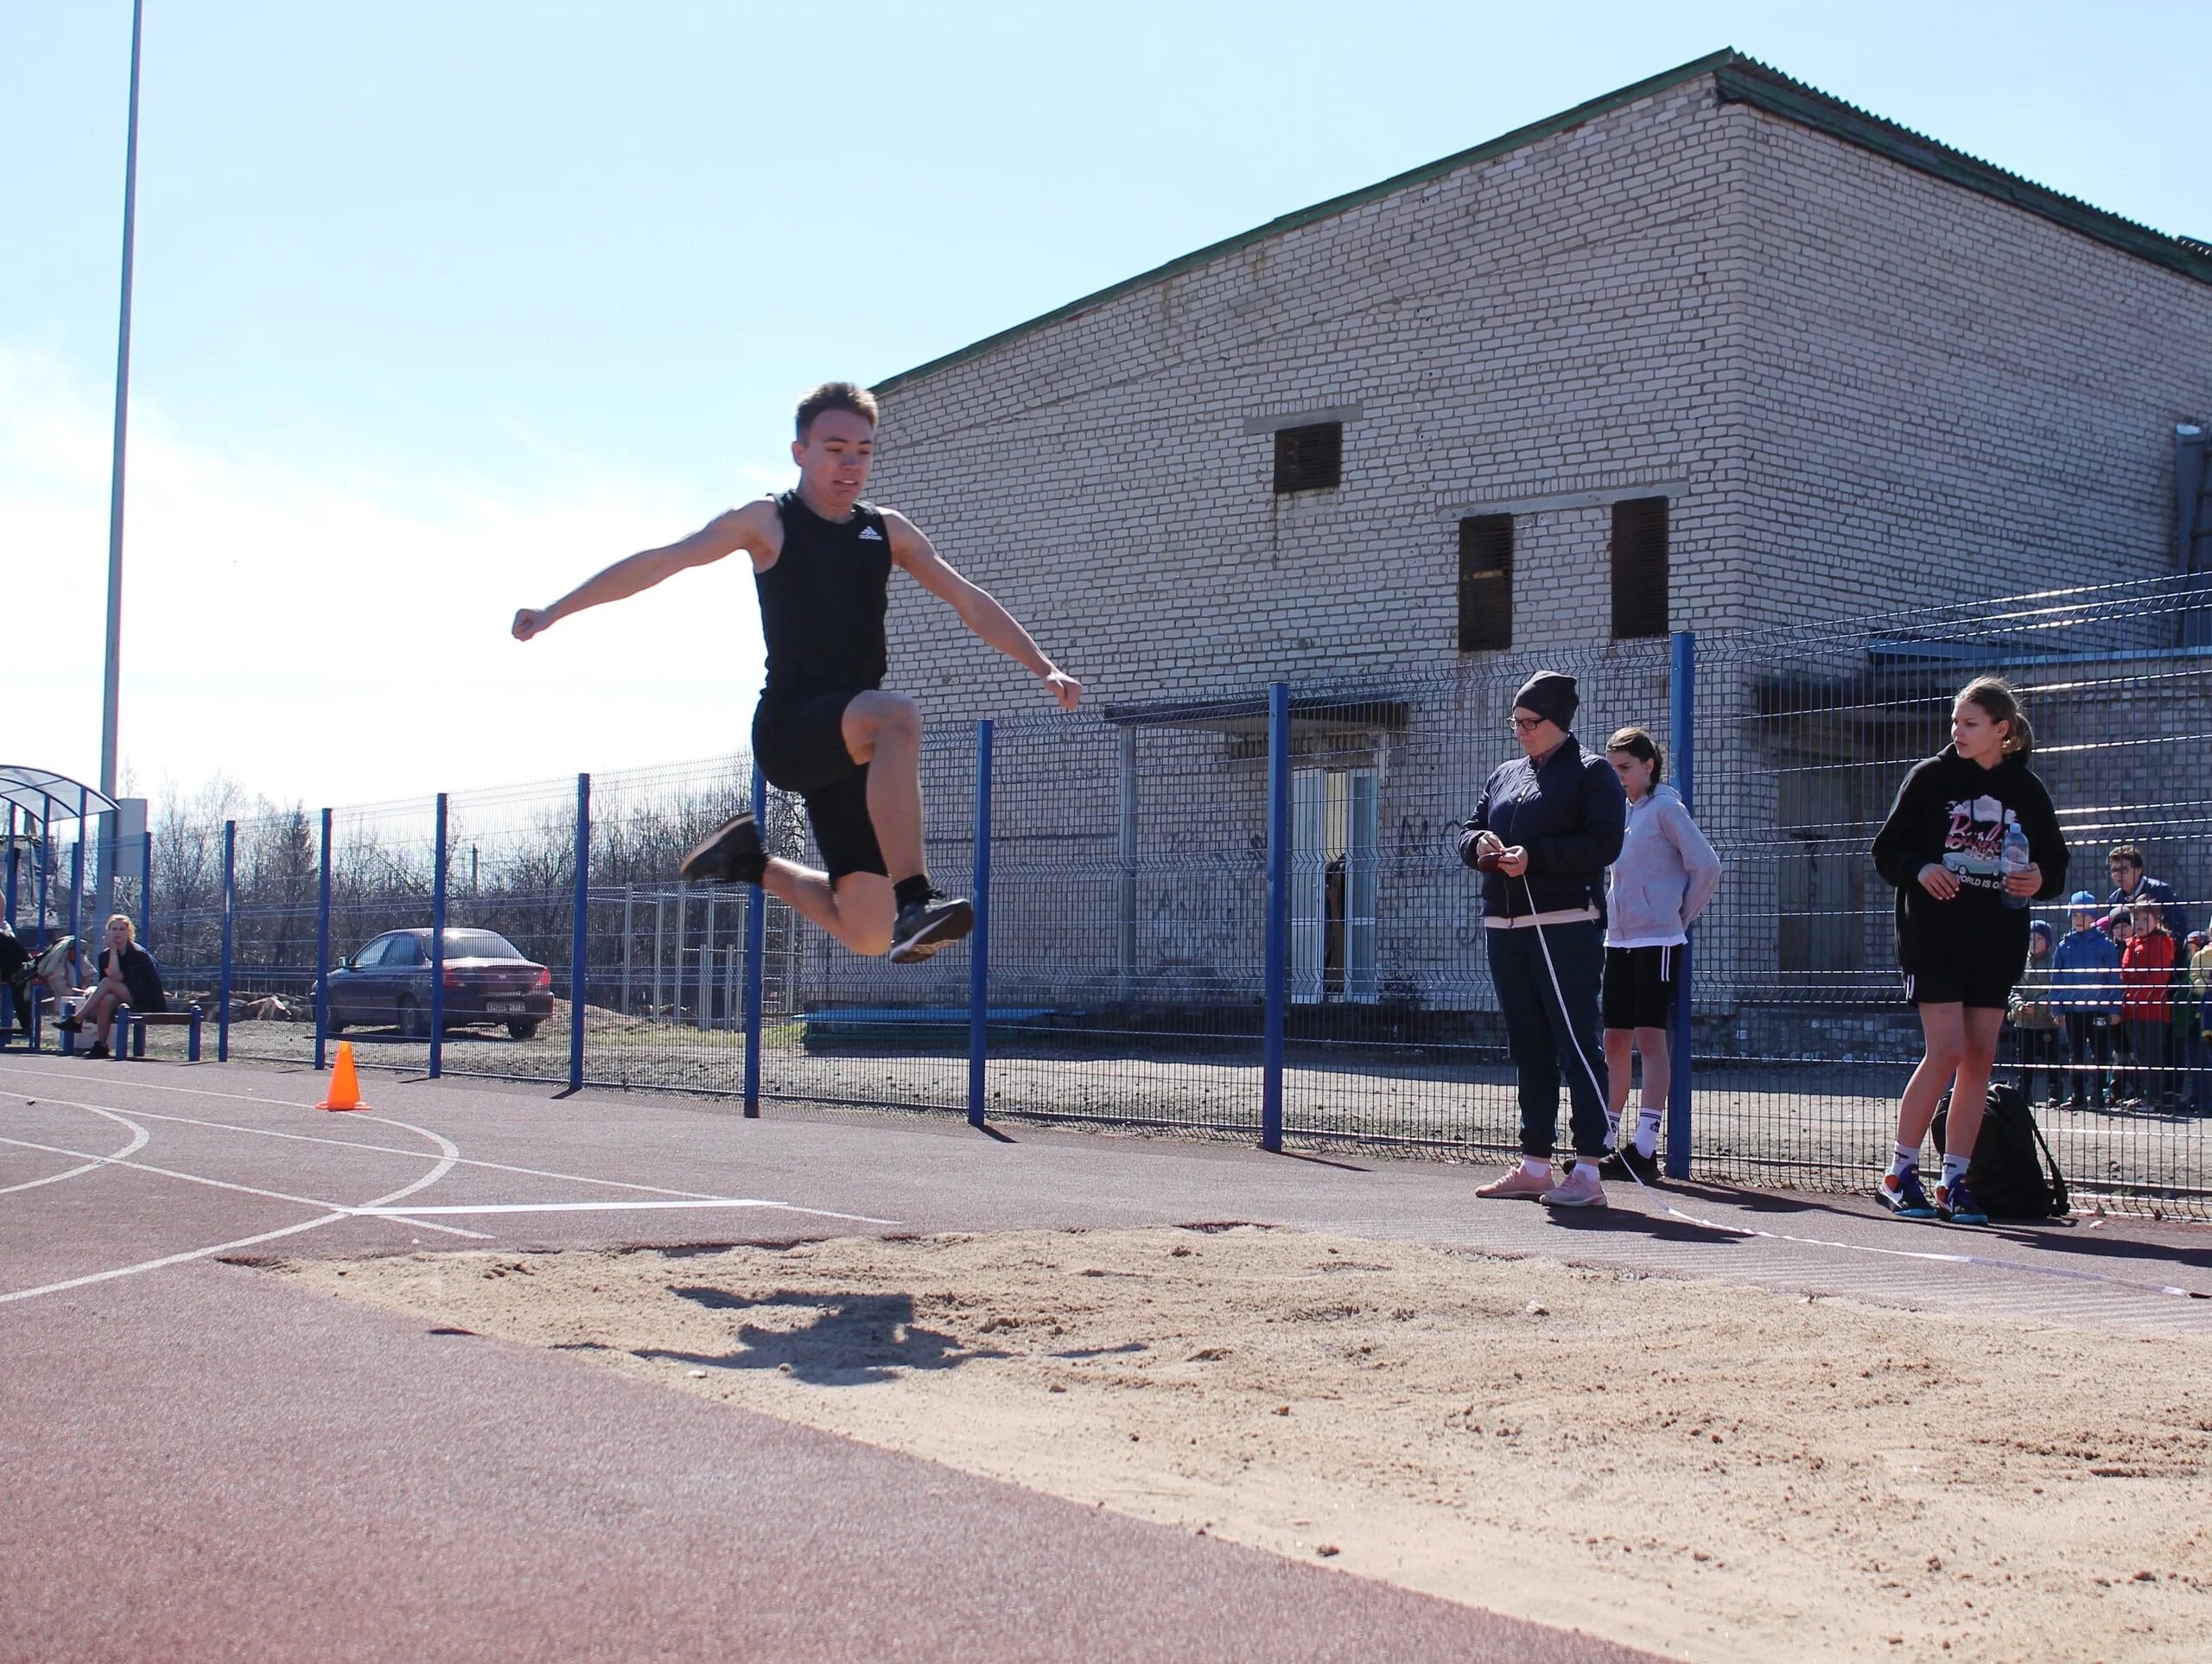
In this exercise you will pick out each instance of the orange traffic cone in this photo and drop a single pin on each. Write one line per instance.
(345, 1086)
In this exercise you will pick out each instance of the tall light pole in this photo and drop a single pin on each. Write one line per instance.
(111, 689)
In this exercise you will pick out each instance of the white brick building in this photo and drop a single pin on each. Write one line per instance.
(1860, 366)
(1829, 367)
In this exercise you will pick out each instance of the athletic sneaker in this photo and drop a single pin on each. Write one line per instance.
(1904, 1195)
(1579, 1189)
(923, 927)
(1956, 1203)
(69, 1026)
(1629, 1163)
(1517, 1183)
(731, 854)
(96, 1049)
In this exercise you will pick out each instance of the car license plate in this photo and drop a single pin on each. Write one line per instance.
(503, 1005)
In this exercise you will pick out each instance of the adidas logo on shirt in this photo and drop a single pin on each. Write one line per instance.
(870, 535)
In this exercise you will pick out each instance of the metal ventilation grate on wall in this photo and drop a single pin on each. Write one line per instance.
(1485, 582)
(1639, 552)
(1310, 458)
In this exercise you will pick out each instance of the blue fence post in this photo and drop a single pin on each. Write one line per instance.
(146, 895)
(756, 956)
(979, 941)
(1278, 930)
(13, 863)
(322, 950)
(45, 874)
(8, 899)
(580, 937)
(1681, 713)
(77, 890)
(230, 914)
(438, 948)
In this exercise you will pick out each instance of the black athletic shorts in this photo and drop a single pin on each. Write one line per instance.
(800, 745)
(1964, 976)
(1640, 987)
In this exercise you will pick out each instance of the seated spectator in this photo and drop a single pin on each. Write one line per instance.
(2131, 885)
(2147, 982)
(2085, 993)
(53, 967)
(128, 977)
(2035, 1024)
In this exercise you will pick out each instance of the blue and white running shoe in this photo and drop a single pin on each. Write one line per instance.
(1956, 1203)
(1903, 1195)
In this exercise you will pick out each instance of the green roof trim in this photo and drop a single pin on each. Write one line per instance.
(1738, 79)
(1746, 81)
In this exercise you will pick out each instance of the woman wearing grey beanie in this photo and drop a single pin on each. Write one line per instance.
(1546, 826)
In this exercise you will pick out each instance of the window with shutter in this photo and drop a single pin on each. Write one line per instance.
(1310, 458)
(1639, 552)
(1485, 582)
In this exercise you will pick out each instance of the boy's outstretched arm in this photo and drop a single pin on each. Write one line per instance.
(991, 622)
(724, 535)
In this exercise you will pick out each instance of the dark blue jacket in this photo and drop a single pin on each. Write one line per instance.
(1569, 813)
(2085, 972)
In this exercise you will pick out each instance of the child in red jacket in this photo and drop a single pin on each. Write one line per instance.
(2146, 1002)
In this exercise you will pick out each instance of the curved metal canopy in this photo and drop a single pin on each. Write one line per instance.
(46, 796)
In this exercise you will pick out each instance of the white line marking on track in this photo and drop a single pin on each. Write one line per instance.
(2064, 1272)
(79, 1075)
(459, 1159)
(139, 1139)
(445, 1165)
(613, 1207)
(218, 1184)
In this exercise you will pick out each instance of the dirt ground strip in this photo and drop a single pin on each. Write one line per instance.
(1709, 1471)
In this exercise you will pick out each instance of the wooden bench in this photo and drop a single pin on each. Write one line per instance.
(135, 1024)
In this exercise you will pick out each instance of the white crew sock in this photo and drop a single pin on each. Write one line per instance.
(1955, 1169)
(1647, 1131)
(1535, 1167)
(1905, 1161)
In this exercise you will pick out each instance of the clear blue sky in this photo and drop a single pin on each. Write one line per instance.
(441, 305)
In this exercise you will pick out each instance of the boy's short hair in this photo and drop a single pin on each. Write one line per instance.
(835, 396)
(2128, 853)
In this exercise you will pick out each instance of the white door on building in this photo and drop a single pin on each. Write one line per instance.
(1335, 871)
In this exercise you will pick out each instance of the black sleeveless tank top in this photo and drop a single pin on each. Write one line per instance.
(822, 603)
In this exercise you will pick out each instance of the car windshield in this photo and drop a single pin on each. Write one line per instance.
(478, 944)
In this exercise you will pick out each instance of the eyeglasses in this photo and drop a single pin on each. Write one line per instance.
(1527, 724)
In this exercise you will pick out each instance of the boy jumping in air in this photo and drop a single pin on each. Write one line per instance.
(824, 728)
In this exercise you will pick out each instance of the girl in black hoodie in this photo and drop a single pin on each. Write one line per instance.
(1963, 924)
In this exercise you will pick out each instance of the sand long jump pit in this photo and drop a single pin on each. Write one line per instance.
(1710, 1471)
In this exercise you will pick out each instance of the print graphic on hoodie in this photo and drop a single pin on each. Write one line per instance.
(1974, 847)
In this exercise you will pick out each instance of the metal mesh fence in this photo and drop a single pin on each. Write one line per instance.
(1804, 737)
(1129, 904)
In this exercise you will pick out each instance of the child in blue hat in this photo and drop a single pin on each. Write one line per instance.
(2085, 996)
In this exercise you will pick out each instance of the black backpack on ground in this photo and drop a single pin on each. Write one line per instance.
(2013, 1174)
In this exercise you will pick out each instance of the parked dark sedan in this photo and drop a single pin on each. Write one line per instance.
(485, 982)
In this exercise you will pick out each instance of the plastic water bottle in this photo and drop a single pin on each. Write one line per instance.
(2015, 858)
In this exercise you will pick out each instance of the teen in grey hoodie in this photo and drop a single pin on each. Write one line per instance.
(1666, 872)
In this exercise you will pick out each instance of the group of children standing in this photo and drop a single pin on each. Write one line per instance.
(2113, 1014)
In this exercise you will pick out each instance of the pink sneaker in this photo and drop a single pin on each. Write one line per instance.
(1581, 1188)
(1517, 1186)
